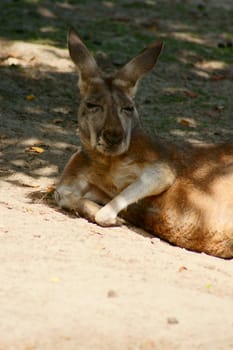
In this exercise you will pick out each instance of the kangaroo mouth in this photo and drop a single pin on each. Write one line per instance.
(108, 147)
(111, 149)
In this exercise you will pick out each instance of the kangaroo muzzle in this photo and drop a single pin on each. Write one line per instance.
(112, 137)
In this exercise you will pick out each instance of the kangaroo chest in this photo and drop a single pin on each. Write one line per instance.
(116, 177)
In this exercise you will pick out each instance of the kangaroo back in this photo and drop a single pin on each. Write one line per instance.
(196, 212)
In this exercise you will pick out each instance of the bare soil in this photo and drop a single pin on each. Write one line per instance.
(67, 284)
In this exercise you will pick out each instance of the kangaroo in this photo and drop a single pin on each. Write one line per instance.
(182, 194)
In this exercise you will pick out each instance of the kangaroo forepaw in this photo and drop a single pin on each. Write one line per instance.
(87, 209)
(107, 217)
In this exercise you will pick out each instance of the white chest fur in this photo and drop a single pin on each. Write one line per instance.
(125, 173)
(117, 177)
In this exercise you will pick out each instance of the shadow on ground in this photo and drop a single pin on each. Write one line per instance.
(185, 98)
(38, 121)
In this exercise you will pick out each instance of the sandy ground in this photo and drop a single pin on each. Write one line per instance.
(69, 285)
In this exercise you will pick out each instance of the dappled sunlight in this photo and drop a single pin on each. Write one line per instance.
(189, 37)
(185, 97)
(47, 29)
(189, 136)
(47, 171)
(45, 12)
(34, 110)
(39, 133)
(211, 65)
(32, 55)
(67, 283)
(206, 68)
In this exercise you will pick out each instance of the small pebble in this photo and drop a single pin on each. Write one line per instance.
(112, 294)
(172, 320)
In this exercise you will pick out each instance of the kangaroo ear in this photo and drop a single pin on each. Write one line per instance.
(83, 59)
(134, 70)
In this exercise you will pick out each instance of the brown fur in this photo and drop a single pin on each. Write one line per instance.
(183, 194)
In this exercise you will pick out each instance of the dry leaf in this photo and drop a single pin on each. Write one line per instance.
(30, 185)
(152, 28)
(28, 210)
(187, 122)
(30, 97)
(212, 114)
(58, 121)
(50, 189)
(182, 268)
(218, 77)
(191, 94)
(35, 149)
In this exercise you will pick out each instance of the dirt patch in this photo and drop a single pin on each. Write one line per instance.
(68, 284)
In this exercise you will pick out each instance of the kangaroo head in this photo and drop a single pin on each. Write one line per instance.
(107, 113)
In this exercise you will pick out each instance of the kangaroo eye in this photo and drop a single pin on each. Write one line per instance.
(128, 109)
(92, 106)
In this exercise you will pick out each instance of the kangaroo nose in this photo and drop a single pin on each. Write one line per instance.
(112, 137)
